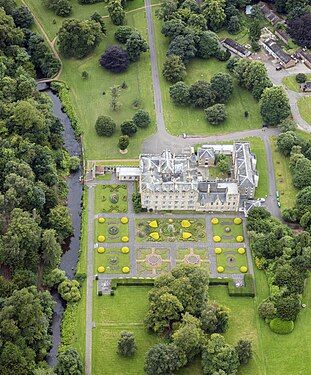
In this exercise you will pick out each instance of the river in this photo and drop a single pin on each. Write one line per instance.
(70, 255)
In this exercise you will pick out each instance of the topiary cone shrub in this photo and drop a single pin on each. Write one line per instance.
(101, 250)
(214, 220)
(243, 269)
(101, 269)
(220, 269)
(241, 250)
(124, 239)
(101, 238)
(216, 238)
(124, 220)
(101, 220)
(237, 220)
(125, 250)
(125, 269)
(218, 250)
(239, 238)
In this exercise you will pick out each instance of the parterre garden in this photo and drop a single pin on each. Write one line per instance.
(111, 198)
(112, 260)
(227, 230)
(153, 262)
(231, 260)
(111, 230)
(193, 256)
(170, 230)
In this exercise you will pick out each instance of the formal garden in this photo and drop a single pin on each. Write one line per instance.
(192, 256)
(114, 260)
(231, 260)
(111, 230)
(111, 198)
(227, 230)
(170, 230)
(152, 261)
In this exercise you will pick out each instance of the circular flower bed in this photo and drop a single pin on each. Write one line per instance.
(101, 269)
(215, 220)
(218, 250)
(243, 269)
(239, 238)
(216, 238)
(124, 239)
(101, 250)
(124, 220)
(237, 220)
(125, 269)
(101, 220)
(220, 269)
(113, 230)
(125, 250)
(101, 238)
(241, 250)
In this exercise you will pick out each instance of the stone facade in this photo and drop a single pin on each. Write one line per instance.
(181, 182)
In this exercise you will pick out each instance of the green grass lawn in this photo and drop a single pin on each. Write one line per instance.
(258, 148)
(126, 310)
(283, 175)
(304, 105)
(104, 198)
(237, 260)
(112, 229)
(291, 83)
(112, 259)
(230, 236)
(192, 121)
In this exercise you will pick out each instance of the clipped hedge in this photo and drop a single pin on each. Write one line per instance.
(64, 96)
(281, 327)
(131, 281)
(248, 290)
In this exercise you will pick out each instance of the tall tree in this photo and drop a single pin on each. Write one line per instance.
(274, 105)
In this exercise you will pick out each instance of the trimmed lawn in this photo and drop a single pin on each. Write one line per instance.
(125, 311)
(231, 260)
(112, 229)
(169, 230)
(304, 105)
(258, 148)
(89, 102)
(112, 259)
(106, 195)
(291, 83)
(227, 236)
(284, 181)
(192, 121)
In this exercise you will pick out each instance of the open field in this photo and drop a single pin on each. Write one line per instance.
(304, 105)
(192, 121)
(111, 317)
(284, 181)
(291, 83)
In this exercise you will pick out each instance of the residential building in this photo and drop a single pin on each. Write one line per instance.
(128, 173)
(305, 55)
(275, 50)
(269, 14)
(235, 47)
(281, 34)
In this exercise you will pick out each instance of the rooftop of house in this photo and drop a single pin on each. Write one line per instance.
(283, 34)
(269, 13)
(306, 55)
(244, 164)
(277, 49)
(238, 47)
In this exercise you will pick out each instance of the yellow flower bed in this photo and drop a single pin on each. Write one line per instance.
(243, 269)
(154, 235)
(153, 224)
(124, 239)
(185, 223)
(237, 220)
(218, 250)
(101, 238)
(241, 250)
(240, 238)
(216, 238)
(215, 220)
(124, 220)
(220, 269)
(101, 250)
(101, 220)
(125, 269)
(101, 269)
(125, 250)
(186, 235)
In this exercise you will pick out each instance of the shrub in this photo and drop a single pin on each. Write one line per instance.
(128, 128)
(220, 269)
(185, 224)
(125, 269)
(153, 224)
(266, 310)
(216, 238)
(126, 344)
(69, 290)
(123, 33)
(216, 114)
(125, 250)
(155, 235)
(123, 142)
(141, 119)
(215, 220)
(101, 238)
(243, 269)
(101, 269)
(241, 250)
(301, 77)
(105, 126)
(101, 220)
(124, 220)
(239, 238)
(186, 235)
(237, 220)
(179, 93)
(218, 250)
(100, 250)
(281, 327)
(124, 239)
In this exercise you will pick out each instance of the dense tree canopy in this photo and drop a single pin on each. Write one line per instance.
(174, 69)
(274, 105)
(115, 59)
(300, 30)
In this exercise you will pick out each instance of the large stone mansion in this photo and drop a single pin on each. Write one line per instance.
(170, 181)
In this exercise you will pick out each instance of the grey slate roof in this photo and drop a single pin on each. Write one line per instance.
(277, 49)
(243, 159)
